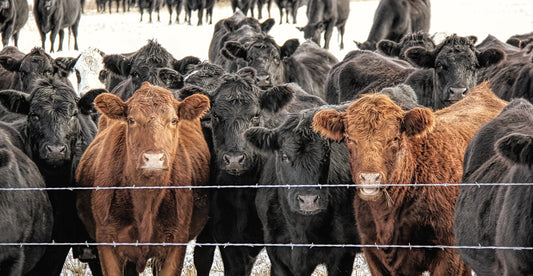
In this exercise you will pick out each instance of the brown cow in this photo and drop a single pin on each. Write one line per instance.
(149, 140)
(389, 145)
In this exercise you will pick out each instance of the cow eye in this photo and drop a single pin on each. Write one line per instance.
(34, 117)
(174, 121)
(75, 114)
(131, 121)
(284, 157)
(256, 120)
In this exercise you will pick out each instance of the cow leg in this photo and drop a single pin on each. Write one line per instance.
(280, 15)
(341, 33)
(327, 35)
(111, 265)
(239, 260)
(375, 266)
(173, 261)
(141, 14)
(74, 30)
(169, 14)
(61, 37)
(449, 263)
(278, 267)
(13, 265)
(52, 261)
(341, 265)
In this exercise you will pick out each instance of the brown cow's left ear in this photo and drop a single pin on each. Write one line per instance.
(330, 124)
(418, 121)
(111, 105)
(193, 107)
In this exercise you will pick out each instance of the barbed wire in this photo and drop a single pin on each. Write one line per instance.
(258, 186)
(292, 245)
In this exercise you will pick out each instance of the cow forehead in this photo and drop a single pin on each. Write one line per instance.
(456, 54)
(373, 115)
(152, 101)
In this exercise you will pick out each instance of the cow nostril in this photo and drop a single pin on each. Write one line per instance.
(226, 158)
(316, 199)
(300, 199)
(240, 158)
(56, 149)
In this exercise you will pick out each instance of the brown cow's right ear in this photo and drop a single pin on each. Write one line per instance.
(111, 105)
(330, 124)
(193, 107)
(418, 121)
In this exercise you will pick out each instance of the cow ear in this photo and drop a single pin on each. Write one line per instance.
(65, 63)
(490, 57)
(182, 64)
(193, 107)
(472, 38)
(9, 63)
(276, 98)
(421, 57)
(418, 121)
(389, 47)
(102, 75)
(248, 73)
(86, 102)
(329, 123)
(289, 47)
(262, 139)
(111, 106)
(516, 147)
(170, 78)
(267, 25)
(15, 101)
(233, 50)
(118, 64)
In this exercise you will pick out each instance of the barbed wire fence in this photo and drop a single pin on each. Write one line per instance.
(259, 186)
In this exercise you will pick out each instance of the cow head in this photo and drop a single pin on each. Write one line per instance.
(263, 54)
(87, 68)
(300, 156)
(455, 63)
(376, 132)
(313, 31)
(239, 104)
(54, 129)
(36, 64)
(152, 118)
(144, 64)
(205, 75)
(397, 49)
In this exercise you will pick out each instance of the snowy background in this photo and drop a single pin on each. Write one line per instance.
(122, 33)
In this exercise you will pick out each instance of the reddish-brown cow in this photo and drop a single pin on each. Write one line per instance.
(389, 145)
(149, 140)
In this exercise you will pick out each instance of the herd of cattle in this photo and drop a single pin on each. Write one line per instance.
(405, 110)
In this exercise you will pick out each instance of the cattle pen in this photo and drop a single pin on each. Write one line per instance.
(123, 32)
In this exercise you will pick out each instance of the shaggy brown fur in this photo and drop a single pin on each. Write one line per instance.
(151, 121)
(416, 146)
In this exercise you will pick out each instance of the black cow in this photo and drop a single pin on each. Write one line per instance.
(290, 7)
(200, 5)
(26, 68)
(395, 18)
(397, 49)
(174, 4)
(306, 64)
(150, 5)
(322, 16)
(13, 16)
(143, 65)
(238, 104)
(26, 215)
(449, 72)
(56, 132)
(52, 16)
(499, 215)
(515, 40)
(237, 27)
(297, 155)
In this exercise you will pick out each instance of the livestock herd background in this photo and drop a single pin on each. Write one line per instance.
(122, 32)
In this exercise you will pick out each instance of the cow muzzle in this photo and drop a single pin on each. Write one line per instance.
(456, 93)
(234, 163)
(153, 160)
(54, 154)
(308, 203)
(369, 189)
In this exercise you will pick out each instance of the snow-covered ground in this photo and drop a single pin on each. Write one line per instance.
(122, 33)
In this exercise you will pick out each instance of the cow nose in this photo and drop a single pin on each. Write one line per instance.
(154, 160)
(234, 158)
(457, 93)
(308, 203)
(370, 178)
(55, 149)
(264, 80)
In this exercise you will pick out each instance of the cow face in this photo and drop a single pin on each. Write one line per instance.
(204, 75)
(36, 64)
(455, 63)
(144, 65)
(300, 157)
(53, 129)
(87, 68)
(264, 55)
(313, 31)
(152, 117)
(376, 132)
(238, 104)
